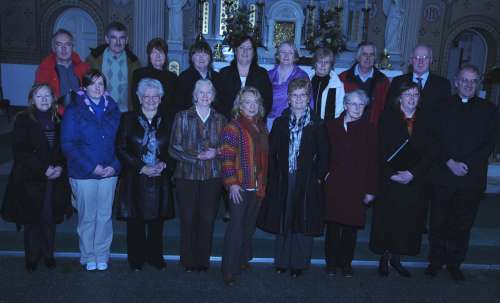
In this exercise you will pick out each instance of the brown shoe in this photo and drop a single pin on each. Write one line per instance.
(229, 279)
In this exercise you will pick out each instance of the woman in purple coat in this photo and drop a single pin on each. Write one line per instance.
(351, 180)
(285, 71)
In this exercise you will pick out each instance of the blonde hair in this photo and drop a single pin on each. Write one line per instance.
(31, 102)
(237, 102)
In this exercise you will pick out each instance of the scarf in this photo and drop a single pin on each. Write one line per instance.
(409, 121)
(295, 127)
(258, 132)
(150, 148)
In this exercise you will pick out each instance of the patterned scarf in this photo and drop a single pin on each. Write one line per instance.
(296, 126)
(150, 149)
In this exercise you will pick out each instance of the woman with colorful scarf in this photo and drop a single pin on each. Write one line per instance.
(145, 197)
(298, 161)
(244, 155)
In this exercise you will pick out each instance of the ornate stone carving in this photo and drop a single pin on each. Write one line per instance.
(432, 13)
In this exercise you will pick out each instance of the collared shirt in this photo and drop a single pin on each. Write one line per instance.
(191, 136)
(68, 81)
(363, 78)
(424, 77)
(115, 68)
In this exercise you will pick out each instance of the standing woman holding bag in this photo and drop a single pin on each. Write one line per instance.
(38, 194)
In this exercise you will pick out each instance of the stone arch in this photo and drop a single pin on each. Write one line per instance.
(49, 17)
(487, 27)
(283, 10)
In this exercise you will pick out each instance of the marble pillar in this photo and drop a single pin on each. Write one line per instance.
(149, 23)
(175, 31)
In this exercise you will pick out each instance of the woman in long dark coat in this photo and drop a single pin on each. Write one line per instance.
(298, 161)
(38, 194)
(398, 214)
(351, 180)
(145, 198)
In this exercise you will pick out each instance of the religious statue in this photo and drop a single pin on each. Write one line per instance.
(393, 26)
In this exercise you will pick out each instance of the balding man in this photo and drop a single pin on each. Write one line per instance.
(63, 69)
(434, 89)
(465, 136)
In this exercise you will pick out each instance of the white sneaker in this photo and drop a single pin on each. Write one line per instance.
(102, 266)
(91, 266)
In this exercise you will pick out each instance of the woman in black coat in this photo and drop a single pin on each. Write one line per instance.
(157, 51)
(398, 213)
(243, 71)
(298, 162)
(38, 195)
(200, 67)
(145, 198)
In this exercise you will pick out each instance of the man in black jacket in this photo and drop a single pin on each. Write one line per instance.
(434, 89)
(464, 139)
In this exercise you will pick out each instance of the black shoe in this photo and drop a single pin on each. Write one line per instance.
(295, 273)
(432, 269)
(280, 270)
(383, 266)
(229, 279)
(455, 273)
(202, 268)
(347, 271)
(189, 269)
(331, 271)
(31, 266)
(135, 267)
(160, 264)
(403, 272)
(50, 263)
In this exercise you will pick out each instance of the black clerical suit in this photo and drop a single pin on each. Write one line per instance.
(465, 133)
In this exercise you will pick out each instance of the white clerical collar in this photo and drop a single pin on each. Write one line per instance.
(363, 77)
(464, 100)
(423, 76)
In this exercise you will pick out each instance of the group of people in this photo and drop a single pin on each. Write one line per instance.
(294, 154)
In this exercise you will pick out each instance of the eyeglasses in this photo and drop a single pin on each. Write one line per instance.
(245, 49)
(417, 58)
(357, 105)
(468, 81)
(151, 98)
(408, 95)
(297, 96)
(286, 53)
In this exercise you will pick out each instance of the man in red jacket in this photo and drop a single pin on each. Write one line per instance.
(363, 75)
(62, 69)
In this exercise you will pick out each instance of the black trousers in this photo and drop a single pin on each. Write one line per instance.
(145, 242)
(453, 212)
(293, 250)
(39, 241)
(340, 243)
(239, 233)
(198, 202)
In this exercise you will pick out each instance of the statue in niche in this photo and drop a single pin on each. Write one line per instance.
(393, 26)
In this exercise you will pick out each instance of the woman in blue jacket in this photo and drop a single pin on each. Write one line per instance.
(88, 136)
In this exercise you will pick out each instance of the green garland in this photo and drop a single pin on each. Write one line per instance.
(327, 33)
(238, 24)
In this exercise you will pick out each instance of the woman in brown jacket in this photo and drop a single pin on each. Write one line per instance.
(351, 180)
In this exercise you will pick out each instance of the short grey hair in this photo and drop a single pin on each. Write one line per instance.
(296, 55)
(365, 44)
(147, 83)
(358, 93)
(469, 68)
(200, 83)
